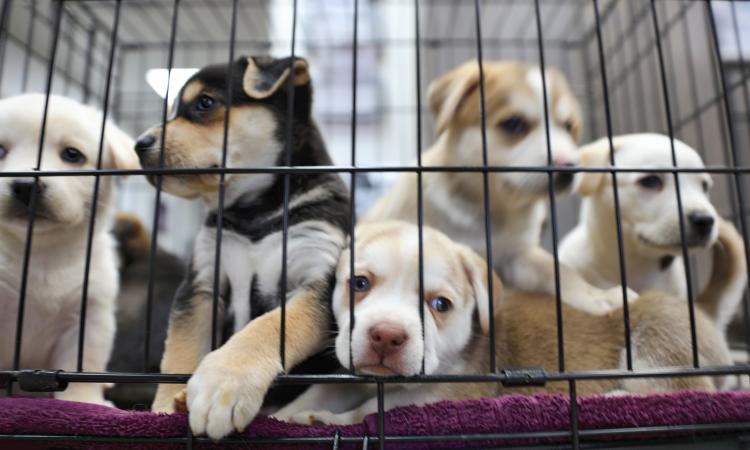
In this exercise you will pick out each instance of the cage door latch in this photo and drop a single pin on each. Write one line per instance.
(525, 376)
(41, 381)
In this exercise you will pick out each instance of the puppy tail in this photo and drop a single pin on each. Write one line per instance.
(722, 294)
(133, 241)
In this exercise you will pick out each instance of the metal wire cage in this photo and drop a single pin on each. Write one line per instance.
(675, 67)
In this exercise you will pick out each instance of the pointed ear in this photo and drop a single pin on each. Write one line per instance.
(121, 147)
(448, 95)
(595, 154)
(264, 76)
(476, 271)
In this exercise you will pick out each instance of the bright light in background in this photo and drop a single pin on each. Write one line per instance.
(157, 79)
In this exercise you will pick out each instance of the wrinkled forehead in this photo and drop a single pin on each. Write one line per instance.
(656, 151)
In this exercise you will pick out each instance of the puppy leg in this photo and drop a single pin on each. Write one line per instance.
(227, 389)
(97, 346)
(534, 271)
(188, 341)
(329, 397)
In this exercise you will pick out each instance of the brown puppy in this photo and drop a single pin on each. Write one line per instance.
(516, 137)
(387, 336)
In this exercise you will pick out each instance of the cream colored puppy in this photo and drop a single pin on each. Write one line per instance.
(387, 336)
(453, 201)
(650, 221)
(58, 251)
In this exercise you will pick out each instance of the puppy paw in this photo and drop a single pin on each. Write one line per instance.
(606, 301)
(318, 418)
(224, 395)
(166, 399)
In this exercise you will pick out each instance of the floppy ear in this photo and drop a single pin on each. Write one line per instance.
(264, 76)
(595, 154)
(448, 94)
(121, 147)
(476, 270)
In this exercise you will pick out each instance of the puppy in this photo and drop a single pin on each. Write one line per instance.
(650, 221)
(387, 337)
(228, 384)
(453, 201)
(58, 248)
(134, 249)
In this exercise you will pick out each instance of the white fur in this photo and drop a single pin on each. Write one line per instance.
(58, 252)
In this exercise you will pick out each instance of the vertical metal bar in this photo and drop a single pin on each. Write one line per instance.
(686, 38)
(353, 183)
(365, 442)
(90, 45)
(618, 216)
(675, 99)
(420, 206)
(550, 191)
(381, 416)
(730, 129)
(33, 205)
(486, 187)
(222, 177)
(639, 84)
(69, 56)
(158, 184)
(336, 440)
(741, 60)
(574, 429)
(627, 118)
(685, 255)
(29, 46)
(97, 179)
(285, 218)
(4, 15)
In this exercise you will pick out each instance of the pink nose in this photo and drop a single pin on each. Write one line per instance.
(387, 338)
(564, 160)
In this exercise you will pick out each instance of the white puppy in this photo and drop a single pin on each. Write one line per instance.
(56, 265)
(649, 218)
(516, 137)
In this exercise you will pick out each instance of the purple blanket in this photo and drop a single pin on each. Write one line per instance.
(507, 414)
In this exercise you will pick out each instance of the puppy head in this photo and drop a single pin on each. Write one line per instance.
(514, 105)
(71, 142)
(194, 133)
(387, 335)
(648, 201)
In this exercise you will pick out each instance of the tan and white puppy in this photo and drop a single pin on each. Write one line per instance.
(650, 220)
(58, 251)
(516, 137)
(387, 336)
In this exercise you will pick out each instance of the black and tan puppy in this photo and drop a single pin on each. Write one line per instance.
(228, 385)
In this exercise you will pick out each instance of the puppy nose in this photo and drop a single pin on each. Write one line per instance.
(702, 223)
(23, 189)
(145, 142)
(387, 339)
(563, 160)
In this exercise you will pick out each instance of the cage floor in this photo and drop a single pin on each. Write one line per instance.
(542, 419)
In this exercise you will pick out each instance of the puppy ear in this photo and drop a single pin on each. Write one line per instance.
(448, 95)
(595, 154)
(121, 147)
(264, 76)
(475, 268)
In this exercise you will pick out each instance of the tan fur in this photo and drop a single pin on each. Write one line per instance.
(192, 90)
(249, 81)
(596, 154)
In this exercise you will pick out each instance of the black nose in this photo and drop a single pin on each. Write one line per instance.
(563, 180)
(145, 143)
(22, 190)
(702, 223)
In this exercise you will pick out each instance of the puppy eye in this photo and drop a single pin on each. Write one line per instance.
(3, 152)
(651, 182)
(361, 284)
(516, 125)
(568, 126)
(441, 304)
(706, 186)
(205, 103)
(72, 155)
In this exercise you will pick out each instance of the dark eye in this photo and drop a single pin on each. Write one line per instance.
(568, 126)
(3, 152)
(361, 284)
(515, 125)
(441, 304)
(706, 186)
(651, 182)
(205, 103)
(72, 155)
